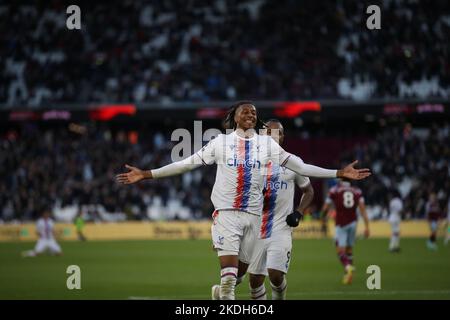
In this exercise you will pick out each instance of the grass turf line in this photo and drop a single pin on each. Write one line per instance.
(186, 269)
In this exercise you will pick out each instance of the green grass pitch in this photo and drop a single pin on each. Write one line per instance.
(186, 269)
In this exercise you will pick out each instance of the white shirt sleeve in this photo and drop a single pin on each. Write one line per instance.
(176, 168)
(296, 164)
(205, 156)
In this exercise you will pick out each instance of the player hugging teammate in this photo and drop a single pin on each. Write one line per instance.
(242, 159)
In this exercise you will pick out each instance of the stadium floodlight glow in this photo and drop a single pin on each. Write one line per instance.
(109, 111)
(292, 109)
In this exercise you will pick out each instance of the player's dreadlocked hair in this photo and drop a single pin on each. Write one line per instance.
(229, 122)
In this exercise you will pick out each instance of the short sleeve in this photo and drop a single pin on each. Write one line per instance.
(302, 181)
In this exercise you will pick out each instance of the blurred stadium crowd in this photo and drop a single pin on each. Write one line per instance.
(412, 163)
(72, 169)
(197, 50)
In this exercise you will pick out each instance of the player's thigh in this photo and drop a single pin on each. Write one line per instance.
(226, 232)
(250, 237)
(341, 236)
(41, 246)
(279, 254)
(54, 247)
(433, 225)
(351, 234)
(258, 263)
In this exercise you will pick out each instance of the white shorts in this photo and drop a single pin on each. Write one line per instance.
(47, 244)
(272, 253)
(235, 233)
(395, 225)
(345, 235)
(433, 225)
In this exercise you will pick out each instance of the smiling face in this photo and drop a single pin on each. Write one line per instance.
(245, 117)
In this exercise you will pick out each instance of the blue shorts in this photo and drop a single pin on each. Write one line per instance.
(345, 235)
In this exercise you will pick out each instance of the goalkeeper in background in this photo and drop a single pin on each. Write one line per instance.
(79, 225)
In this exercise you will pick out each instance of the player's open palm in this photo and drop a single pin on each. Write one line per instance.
(350, 172)
(132, 176)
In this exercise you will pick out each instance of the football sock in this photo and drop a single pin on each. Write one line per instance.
(350, 258)
(279, 292)
(259, 293)
(227, 283)
(29, 253)
(344, 259)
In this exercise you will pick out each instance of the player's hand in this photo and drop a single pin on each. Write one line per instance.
(294, 218)
(350, 172)
(132, 176)
(366, 233)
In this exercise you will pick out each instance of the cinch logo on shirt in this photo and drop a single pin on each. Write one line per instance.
(246, 163)
(276, 185)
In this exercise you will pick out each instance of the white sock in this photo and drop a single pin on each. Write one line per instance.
(397, 241)
(29, 253)
(227, 283)
(391, 243)
(279, 293)
(259, 293)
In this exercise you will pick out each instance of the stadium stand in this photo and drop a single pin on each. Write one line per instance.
(67, 170)
(135, 51)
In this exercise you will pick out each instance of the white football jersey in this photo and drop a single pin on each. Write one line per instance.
(45, 228)
(279, 195)
(241, 167)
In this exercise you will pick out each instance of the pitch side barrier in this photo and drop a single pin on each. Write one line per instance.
(176, 230)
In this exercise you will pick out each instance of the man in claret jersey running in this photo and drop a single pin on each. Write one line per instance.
(346, 199)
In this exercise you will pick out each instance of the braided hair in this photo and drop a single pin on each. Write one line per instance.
(229, 122)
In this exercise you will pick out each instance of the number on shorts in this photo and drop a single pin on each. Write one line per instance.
(349, 200)
(288, 258)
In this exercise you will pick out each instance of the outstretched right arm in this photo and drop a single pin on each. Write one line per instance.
(206, 156)
(173, 169)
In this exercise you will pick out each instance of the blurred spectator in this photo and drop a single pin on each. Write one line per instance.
(72, 172)
(197, 50)
(415, 162)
